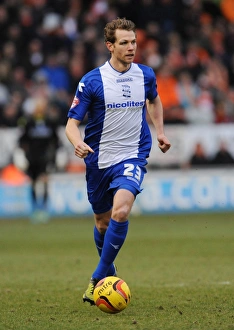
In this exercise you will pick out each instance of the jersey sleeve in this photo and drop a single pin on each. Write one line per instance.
(82, 99)
(152, 90)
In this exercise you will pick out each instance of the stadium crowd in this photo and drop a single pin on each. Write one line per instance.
(47, 45)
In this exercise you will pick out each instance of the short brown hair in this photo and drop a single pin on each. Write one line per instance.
(119, 23)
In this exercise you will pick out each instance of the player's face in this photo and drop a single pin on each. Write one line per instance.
(124, 49)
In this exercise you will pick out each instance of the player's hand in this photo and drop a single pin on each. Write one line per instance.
(163, 143)
(82, 150)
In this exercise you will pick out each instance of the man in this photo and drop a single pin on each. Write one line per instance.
(40, 142)
(117, 139)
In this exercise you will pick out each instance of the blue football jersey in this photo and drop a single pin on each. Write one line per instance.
(115, 104)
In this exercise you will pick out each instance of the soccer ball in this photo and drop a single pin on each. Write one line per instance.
(111, 295)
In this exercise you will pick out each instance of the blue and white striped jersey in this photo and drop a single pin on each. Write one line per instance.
(115, 103)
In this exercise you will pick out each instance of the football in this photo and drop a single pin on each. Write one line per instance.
(111, 295)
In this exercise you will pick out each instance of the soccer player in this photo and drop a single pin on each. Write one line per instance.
(117, 139)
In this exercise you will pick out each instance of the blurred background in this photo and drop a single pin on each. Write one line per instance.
(47, 46)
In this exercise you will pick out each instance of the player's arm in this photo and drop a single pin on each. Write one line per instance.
(74, 136)
(155, 110)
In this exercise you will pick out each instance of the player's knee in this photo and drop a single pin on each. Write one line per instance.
(120, 214)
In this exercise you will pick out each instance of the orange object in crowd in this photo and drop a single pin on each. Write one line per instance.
(227, 8)
(13, 176)
(167, 89)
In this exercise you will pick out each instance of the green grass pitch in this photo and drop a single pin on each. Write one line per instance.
(180, 269)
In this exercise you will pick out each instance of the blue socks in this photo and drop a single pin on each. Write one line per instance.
(108, 246)
(99, 240)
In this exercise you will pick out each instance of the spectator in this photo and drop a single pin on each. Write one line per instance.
(223, 156)
(167, 88)
(204, 112)
(188, 93)
(221, 115)
(35, 57)
(199, 157)
(167, 84)
(55, 72)
(10, 115)
(151, 54)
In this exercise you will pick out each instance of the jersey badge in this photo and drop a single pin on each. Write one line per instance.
(75, 102)
(126, 90)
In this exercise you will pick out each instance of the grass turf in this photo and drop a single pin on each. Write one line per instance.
(179, 269)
